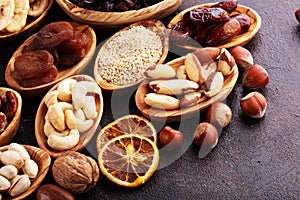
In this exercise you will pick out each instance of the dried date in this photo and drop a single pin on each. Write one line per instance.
(78, 41)
(51, 35)
(181, 32)
(244, 21)
(205, 15)
(228, 5)
(223, 33)
(33, 64)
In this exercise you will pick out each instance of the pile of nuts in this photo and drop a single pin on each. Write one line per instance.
(8, 108)
(200, 77)
(211, 26)
(125, 57)
(17, 170)
(14, 13)
(71, 112)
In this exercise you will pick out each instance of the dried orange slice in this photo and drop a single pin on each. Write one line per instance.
(129, 160)
(128, 124)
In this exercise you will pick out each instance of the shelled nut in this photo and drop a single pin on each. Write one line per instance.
(226, 62)
(254, 105)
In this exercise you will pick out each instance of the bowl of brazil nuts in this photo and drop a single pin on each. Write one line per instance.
(123, 58)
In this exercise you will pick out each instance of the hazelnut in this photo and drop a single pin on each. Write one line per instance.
(226, 62)
(206, 136)
(242, 56)
(219, 114)
(297, 14)
(50, 191)
(254, 105)
(170, 137)
(255, 77)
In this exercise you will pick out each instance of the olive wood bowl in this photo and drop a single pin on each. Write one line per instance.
(184, 112)
(40, 90)
(32, 24)
(42, 159)
(84, 137)
(240, 39)
(154, 25)
(10, 131)
(114, 20)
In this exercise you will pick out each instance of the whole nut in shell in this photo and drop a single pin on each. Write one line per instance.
(242, 56)
(206, 136)
(254, 105)
(255, 77)
(50, 191)
(19, 184)
(219, 114)
(75, 172)
(297, 14)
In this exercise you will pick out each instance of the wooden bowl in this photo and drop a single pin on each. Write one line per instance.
(43, 160)
(154, 25)
(182, 113)
(114, 20)
(84, 137)
(31, 25)
(240, 39)
(10, 131)
(40, 90)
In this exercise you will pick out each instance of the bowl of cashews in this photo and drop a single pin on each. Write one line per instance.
(19, 18)
(69, 115)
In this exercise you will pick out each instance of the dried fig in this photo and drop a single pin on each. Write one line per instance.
(33, 64)
(79, 40)
(75, 172)
(53, 34)
(223, 33)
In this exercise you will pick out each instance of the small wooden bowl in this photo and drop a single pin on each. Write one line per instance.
(43, 160)
(31, 25)
(114, 20)
(84, 137)
(241, 39)
(40, 90)
(10, 131)
(154, 25)
(179, 114)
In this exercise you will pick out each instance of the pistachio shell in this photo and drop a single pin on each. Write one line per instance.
(8, 171)
(19, 148)
(10, 157)
(19, 185)
(4, 184)
(30, 168)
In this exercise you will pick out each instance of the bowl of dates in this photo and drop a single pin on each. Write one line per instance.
(10, 114)
(20, 21)
(109, 14)
(42, 61)
(224, 24)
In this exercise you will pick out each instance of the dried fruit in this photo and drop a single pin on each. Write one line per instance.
(223, 33)
(78, 41)
(244, 21)
(33, 64)
(75, 172)
(53, 34)
(170, 138)
(129, 160)
(69, 59)
(10, 105)
(228, 5)
(3, 122)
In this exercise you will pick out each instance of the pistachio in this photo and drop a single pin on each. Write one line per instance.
(30, 168)
(8, 171)
(19, 148)
(19, 185)
(10, 157)
(4, 184)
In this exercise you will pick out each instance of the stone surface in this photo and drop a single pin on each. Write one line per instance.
(254, 159)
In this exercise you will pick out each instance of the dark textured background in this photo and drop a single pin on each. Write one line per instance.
(254, 159)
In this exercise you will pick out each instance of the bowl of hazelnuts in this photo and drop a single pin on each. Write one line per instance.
(113, 14)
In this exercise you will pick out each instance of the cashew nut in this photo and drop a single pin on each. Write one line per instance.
(78, 93)
(49, 130)
(89, 108)
(64, 143)
(64, 89)
(91, 87)
(56, 117)
(70, 119)
(51, 98)
(79, 114)
(83, 126)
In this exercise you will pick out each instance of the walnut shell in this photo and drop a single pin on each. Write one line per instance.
(75, 172)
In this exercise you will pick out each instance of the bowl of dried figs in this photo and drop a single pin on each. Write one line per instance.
(124, 57)
(69, 115)
(10, 114)
(22, 18)
(109, 14)
(42, 61)
(23, 168)
(186, 85)
(223, 24)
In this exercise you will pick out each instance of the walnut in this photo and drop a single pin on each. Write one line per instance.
(75, 172)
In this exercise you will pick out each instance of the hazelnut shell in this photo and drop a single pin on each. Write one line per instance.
(254, 105)
(255, 77)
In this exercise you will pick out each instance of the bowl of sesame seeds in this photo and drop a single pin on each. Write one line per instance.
(124, 57)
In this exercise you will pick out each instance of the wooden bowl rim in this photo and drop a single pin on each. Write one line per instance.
(43, 168)
(40, 136)
(165, 43)
(185, 112)
(64, 73)
(31, 24)
(11, 129)
(104, 17)
(241, 39)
